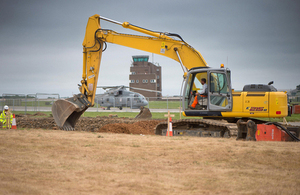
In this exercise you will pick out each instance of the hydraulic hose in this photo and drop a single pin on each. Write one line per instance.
(105, 44)
(96, 40)
(175, 35)
(286, 130)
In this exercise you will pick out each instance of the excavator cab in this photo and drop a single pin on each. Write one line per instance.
(207, 92)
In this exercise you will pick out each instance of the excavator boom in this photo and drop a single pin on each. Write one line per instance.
(158, 42)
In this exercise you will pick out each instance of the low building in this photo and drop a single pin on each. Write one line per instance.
(294, 95)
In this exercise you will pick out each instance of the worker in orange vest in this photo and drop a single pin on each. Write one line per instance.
(6, 118)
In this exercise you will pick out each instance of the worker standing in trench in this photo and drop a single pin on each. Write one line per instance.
(6, 118)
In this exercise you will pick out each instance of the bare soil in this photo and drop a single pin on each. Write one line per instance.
(39, 161)
(98, 124)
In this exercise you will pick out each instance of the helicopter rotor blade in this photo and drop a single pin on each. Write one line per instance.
(144, 89)
(112, 87)
(122, 86)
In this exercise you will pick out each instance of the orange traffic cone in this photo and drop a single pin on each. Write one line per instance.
(170, 130)
(14, 123)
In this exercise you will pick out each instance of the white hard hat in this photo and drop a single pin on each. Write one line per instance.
(5, 107)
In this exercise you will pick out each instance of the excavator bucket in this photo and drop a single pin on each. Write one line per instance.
(66, 112)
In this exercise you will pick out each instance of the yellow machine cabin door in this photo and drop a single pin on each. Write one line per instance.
(220, 97)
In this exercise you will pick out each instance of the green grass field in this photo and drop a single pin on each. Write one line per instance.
(164, 104)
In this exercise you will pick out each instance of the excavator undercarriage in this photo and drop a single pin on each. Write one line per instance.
(244, 129)
(199, 128)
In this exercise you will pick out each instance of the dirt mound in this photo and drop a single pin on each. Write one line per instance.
(35, 123)
(141, 127)
(144, 113)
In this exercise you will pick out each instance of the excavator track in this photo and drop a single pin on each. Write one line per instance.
(199, 128)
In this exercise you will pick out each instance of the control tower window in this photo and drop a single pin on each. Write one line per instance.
(140, 58)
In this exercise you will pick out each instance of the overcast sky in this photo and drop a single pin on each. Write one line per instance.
(41, 41)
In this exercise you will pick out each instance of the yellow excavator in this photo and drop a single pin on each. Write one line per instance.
(219, 102)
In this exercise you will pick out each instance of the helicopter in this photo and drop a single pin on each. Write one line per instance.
(118, 96)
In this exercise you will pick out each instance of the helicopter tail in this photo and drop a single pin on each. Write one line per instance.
(66, 112)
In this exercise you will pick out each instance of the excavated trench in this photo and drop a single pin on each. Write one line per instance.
(92, 124)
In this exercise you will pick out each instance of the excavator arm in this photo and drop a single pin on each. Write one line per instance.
(67, 112)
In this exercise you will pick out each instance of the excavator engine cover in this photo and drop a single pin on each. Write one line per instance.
(271, 133)
(66, 112)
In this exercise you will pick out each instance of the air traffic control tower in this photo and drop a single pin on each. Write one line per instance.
(145, 75)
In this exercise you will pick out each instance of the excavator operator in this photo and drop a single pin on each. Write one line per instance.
(200, 98)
